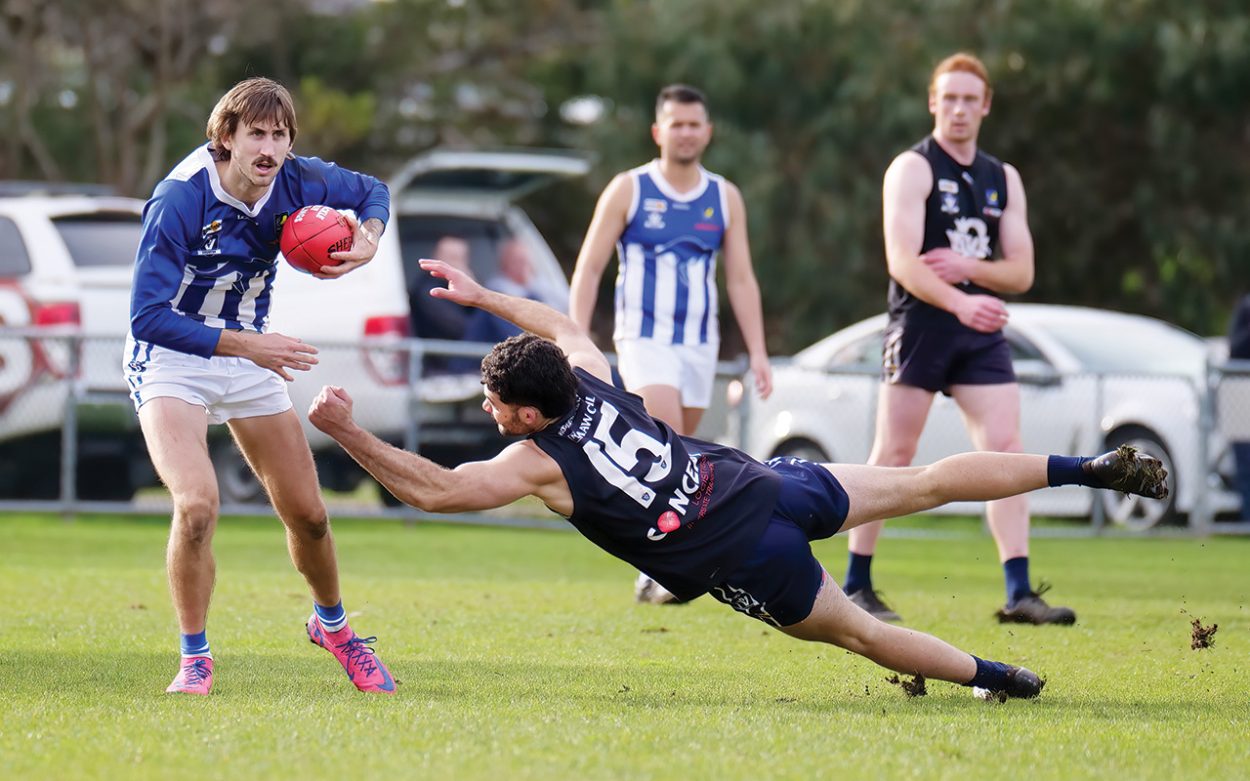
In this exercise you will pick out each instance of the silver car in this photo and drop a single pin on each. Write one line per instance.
(1089, 380)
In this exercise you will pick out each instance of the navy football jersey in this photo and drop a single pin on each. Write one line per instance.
(962, 212)
(683, 511)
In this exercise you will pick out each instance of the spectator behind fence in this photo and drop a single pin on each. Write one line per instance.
(1239, 350)
(436, 318)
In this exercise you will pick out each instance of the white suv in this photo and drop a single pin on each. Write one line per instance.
(65, 265)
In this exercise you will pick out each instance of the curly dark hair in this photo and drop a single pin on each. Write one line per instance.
(533, 372)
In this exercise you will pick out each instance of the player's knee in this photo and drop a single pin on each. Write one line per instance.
(195, 516)
(311, 523)
(893, 454)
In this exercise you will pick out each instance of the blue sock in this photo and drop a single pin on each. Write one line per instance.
(990, 675)
(195, 645)
(1017, 573)
(1066, 470)
(858, 573)
(332, 618)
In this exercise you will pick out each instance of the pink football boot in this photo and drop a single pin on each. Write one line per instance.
(364, 669)
(195, 676)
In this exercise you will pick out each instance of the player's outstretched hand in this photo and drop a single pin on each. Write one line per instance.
(331, 411)
(461, 288)
(986, 314)
(365, 239)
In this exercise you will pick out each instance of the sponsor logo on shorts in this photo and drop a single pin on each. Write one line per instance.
(743, 602)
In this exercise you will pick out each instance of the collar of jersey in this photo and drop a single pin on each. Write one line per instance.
(663, 186)
(214, 181)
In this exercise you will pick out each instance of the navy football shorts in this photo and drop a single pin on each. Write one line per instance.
(778, 583)
(937, 358)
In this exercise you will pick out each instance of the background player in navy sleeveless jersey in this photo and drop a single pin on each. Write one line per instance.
(198, 353)
(956, 239)
(670, 220)
(697, 516)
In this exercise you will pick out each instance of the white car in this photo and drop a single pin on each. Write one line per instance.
(66, 254)
(1089, 380)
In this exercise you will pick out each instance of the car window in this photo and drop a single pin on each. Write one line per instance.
(864, 352)
(14, 262)
(419, 233)
(101, 238)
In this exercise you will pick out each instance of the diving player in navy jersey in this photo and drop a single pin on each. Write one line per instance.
(670, 221)
(956, 240)
(199, 353)
(700, 517)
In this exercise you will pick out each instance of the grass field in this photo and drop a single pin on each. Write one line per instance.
(520, 655)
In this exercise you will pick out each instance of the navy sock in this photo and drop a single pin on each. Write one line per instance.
(195, 645)
(858, 573)
(990, 675)
(1066, 470)
(332, 618)
(1017, 573)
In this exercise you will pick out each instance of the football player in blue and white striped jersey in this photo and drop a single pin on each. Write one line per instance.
(199, 353)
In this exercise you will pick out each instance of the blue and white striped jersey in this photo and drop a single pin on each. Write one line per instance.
(207, 262)
(666, 282)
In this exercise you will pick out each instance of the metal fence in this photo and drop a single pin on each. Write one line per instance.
(70, 442)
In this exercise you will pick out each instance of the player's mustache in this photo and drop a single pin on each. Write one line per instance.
(265, 160)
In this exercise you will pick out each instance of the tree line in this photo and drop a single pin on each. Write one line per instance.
(1127, 119)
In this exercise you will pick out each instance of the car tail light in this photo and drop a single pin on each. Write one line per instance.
(387, 362)
(55, 352)
(59, 313)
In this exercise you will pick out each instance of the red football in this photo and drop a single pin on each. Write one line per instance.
(311, 234)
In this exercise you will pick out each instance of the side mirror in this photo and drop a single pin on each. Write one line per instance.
(1032, 371)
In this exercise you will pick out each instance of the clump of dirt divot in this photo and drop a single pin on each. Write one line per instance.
(995, 696)
(1203, 636)
(912, 688)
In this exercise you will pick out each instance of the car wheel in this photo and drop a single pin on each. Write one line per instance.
(1137, 513)
(802, 448)
(236, 481)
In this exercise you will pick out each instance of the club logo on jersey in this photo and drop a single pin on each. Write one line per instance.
(991, 197)
(950, 204)
(654, 221)
(970, 238)
(279, 220)
(208, 239)
(948, 186)
(708, 212)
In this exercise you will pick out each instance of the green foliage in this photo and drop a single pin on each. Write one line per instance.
(521, 655)
(1126, 119)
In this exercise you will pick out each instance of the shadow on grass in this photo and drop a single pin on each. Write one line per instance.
(305, 679)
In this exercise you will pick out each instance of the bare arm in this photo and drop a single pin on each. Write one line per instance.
(744, 291)
(605, 229)
(532, 316)
(908, 182)
(520, 470)
(1013, 273)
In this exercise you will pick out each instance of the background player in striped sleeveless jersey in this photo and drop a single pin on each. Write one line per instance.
(670, 220)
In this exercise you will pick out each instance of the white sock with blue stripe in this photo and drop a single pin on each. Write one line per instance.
(332, 619)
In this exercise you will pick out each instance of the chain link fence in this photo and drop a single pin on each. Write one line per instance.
(70, 441)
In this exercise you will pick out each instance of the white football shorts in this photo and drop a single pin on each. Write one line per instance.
(225, 387)
(691, 368)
